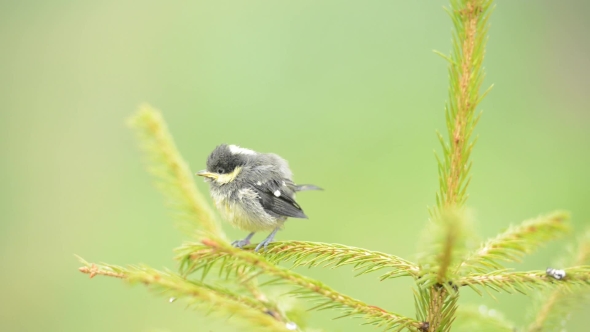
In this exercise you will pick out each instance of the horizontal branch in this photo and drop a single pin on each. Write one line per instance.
(314, 254)
(516, 241)
(522, 282)
(195, 293)
(231, 260)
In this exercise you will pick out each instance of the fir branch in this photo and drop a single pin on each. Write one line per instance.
(231, 260)
(449, 236)
(446, 240)
(466, 77)
(516, 241)
(93, 270)
(449, 308)
(172, 173)
(441, 308)
(196, 294)
(482, 320)
(554, 306)
(521, 282)
(313, 254)
(436, 306)
(421, 303)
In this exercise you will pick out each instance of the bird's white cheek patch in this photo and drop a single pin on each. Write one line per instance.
(234, 149)
(277, 193)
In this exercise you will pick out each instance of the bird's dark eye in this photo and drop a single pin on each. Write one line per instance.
(220, 170)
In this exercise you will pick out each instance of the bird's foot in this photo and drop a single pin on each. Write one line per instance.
(244, 242)
(264, 244)
(240, 243)
(268, 240)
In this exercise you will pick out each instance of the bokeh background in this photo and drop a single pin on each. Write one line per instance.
(349, 92)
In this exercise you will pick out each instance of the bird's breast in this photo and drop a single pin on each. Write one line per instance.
(243, 210)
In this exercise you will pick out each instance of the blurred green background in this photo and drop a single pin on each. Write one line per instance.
(342, 89)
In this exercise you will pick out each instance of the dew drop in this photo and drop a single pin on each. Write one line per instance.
(483, 309)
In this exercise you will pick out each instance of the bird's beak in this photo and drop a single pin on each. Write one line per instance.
(208, 174)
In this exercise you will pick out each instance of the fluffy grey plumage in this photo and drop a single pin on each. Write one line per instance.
(253, 191)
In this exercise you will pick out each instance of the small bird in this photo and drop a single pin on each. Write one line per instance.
(252, 190)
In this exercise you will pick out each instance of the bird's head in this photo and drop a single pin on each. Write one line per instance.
(225, 164)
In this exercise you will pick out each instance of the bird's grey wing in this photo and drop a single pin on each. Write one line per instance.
(278, 199)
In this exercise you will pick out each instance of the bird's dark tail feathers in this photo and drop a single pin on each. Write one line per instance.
(304, 187)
